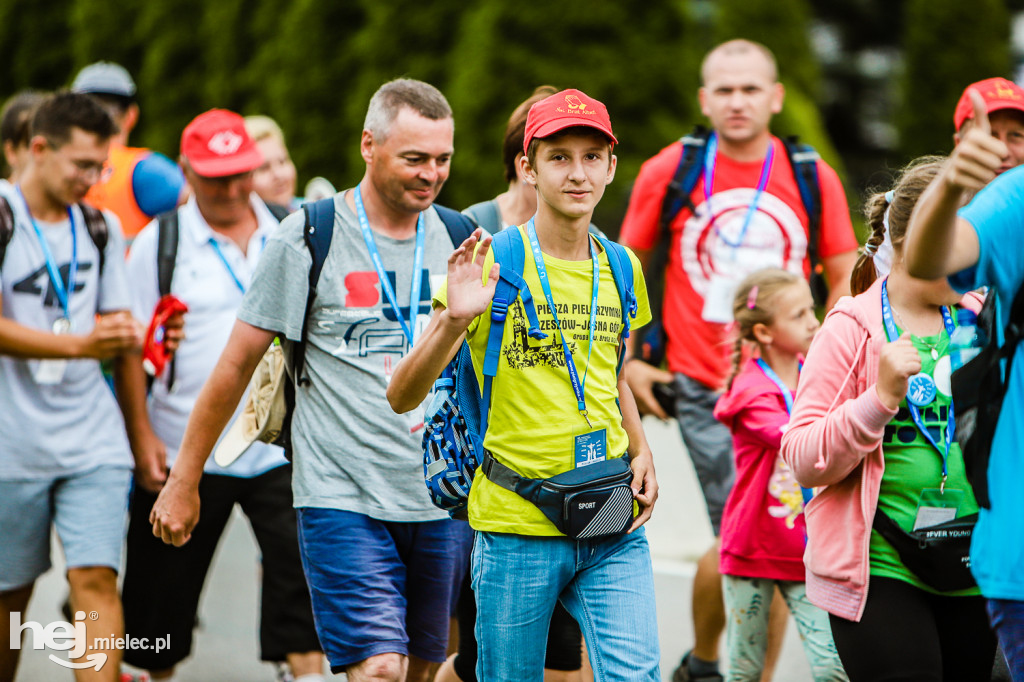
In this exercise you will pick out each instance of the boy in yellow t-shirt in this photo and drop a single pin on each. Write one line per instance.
(539, 416)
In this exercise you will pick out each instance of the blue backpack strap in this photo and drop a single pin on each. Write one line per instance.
(317, 234)
(458, 225)
(691, 163)
(622, 273)
(804, 160)
(510, 255)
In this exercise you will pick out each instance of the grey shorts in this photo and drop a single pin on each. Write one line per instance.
(87, 509)
(709, 443)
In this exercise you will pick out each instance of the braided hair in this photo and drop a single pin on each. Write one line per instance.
(754, 305)
(892, 208)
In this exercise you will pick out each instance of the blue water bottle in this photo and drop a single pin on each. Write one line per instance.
(966, 340)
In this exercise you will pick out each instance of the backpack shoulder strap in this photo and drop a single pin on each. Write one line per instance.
(510, 255)
(96, 226)
(622, 273)
(804, 160)
(277, 210)
(459, 226)
(317, 234)
(691, 163)
(166, 249)
(6, 227)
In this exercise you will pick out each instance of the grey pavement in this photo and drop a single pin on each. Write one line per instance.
(225, 645)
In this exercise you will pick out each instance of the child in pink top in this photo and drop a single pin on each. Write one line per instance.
(763, 532)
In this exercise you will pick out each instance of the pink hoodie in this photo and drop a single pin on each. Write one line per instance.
(834, 441)
(763, 522)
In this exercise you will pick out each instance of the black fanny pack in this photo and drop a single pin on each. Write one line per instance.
(588, 502)
(939, 555)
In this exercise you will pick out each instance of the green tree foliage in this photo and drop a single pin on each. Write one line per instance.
(34, 38)
(172, 73)
(948, 46)
(633, 57)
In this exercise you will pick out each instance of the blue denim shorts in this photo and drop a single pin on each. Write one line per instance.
(88, 509)
(377, 586)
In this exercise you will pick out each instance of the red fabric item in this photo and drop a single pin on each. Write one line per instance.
(777, 237)
(763, 530)
(998, 93)
(216, 144)
(566, 109)
(155, 354)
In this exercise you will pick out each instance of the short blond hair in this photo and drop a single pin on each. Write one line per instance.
(262, 127)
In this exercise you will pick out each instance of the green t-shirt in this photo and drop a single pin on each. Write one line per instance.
(912, 465)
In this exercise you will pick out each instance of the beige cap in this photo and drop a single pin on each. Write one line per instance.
(263, 413)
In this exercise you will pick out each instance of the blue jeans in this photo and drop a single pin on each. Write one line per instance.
(607, 585)
(1007, 618)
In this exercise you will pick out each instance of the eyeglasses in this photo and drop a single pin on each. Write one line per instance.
(83, 167)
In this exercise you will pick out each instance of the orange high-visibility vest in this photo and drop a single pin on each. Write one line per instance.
(114, 189)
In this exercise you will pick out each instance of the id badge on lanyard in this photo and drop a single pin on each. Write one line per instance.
(51, 372)
(590, 443)
(935, 505)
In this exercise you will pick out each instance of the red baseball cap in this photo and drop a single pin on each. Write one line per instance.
(566, 109)
(216, 144)
(998, 93)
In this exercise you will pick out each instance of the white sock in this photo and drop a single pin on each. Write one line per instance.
(311, 677)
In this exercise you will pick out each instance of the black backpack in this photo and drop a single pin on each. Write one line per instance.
(979, 388)
(95, 224)
(167, 230)
(804, 160)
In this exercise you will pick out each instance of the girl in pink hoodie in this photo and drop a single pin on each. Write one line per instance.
(855, 437)
(762, 525)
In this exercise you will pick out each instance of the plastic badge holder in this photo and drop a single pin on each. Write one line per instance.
(155, 354)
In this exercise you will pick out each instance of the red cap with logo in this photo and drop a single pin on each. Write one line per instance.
(998, 93)
(215, 144)
(566, 109)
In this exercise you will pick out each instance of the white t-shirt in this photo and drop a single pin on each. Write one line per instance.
(73, 425)
(204, 282)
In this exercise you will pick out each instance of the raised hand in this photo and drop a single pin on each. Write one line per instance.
(468, 293)
(978, 157)
(898, 361)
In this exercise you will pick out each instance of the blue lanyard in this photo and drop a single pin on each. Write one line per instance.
(892, 333)
(578, 386)
(710, 160)
(63, 295)
(227, 266)
(385, 283)
(787, 395)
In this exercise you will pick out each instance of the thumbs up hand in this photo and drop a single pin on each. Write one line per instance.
(978, 157)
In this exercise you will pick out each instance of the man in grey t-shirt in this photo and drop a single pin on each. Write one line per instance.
(377, 554)
(64, 456)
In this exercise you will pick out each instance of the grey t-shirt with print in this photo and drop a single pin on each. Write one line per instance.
(352, 452)
(70, 423)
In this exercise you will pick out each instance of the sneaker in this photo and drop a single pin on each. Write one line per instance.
(683, 674)
(141, 677)
(284, 673)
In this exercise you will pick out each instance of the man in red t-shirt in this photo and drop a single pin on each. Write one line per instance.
(747, 215)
